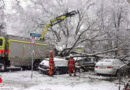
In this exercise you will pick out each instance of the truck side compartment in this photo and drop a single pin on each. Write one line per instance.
(17, 51)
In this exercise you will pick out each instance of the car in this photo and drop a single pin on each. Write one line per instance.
(86, 63)
(60, 64)
(109, 66)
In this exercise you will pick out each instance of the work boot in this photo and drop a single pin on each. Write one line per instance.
(70, 74)
(74, 74)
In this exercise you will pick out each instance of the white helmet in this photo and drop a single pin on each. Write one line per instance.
(71, 55)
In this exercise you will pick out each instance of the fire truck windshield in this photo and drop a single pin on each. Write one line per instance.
(1, 42)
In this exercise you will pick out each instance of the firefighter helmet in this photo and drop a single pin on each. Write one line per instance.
(51, 52)
(71, 56)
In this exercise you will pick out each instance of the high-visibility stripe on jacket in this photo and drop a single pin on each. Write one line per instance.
(51, 62)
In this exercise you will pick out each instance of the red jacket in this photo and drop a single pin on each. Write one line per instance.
(51, 62)
(71, 62)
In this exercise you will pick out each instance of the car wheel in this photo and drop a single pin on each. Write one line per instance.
(81, 70)
(57, 72)
(97, 74)
(40, 71)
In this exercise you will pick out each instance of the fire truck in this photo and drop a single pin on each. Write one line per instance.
(16, 51)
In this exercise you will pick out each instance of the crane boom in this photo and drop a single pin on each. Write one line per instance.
(57, 20)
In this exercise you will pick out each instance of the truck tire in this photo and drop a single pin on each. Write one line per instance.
(36, 64)
(3, 67)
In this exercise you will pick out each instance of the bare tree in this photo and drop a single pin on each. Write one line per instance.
(112, 21)
(2, 23)
(98, 27)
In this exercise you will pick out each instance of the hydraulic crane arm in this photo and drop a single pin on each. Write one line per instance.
(57, 20)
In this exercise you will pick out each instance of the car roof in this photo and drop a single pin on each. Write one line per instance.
(109, 60)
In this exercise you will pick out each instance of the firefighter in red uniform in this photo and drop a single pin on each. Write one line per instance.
(51, 64)
(71, 65)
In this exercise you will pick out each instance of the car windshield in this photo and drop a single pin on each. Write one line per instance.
(87, 59)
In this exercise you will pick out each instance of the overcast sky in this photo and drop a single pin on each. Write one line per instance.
(75, 4)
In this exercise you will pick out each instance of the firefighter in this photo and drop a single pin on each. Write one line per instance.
(71, 65)
(51, 64)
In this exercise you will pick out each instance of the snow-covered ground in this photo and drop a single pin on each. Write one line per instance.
(21, 80)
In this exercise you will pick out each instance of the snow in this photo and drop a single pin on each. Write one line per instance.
(57, 60)
(45, 62)
(78, 58)
(21, 80)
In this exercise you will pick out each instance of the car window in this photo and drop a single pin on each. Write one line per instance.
(106, 60)
(101, 60)
(118, 62)
(87, 59)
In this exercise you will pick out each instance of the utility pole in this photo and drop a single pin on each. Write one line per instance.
(33, 50)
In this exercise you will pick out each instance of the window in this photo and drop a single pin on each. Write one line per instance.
(106, 60)
(87, 59)
(1, 42)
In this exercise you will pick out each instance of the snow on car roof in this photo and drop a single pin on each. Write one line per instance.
(78, 58)
(58, 59)
(108, 60)
(45, 62)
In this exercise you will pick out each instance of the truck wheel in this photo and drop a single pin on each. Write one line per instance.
(36, 64)
(2, 67)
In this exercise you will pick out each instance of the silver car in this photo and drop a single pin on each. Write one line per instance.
(108, 66)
